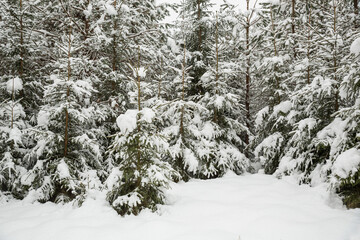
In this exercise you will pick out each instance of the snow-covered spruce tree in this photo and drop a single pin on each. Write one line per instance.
(195, 132)
(67, 159)
(241, 50)
(270, 126)
(20, 88)
(221, 128)
(302, 67)
(12, 148)
(273, 127)
(317, 134)
(196, 18)
(306, 150)
(24, 50)
(181, 117)
(141, 176)
(342, 135)
(345, 144)
(277, 50)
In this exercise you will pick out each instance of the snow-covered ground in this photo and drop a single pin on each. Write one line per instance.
(250, 207)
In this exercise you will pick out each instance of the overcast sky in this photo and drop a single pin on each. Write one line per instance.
(241, 4)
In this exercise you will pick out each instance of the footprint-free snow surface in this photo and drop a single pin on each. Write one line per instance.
(250, 207)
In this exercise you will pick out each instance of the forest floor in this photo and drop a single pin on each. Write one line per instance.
(248, 207)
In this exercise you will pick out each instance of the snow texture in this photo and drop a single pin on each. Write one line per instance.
(347, 163)
(127, 121)
(173, 46)
(15, 135)
(109, 8)
(273, 2)
(63, 170)
(284, 107)
(147, 115)
(190, 160)
(43, 118)
(260, 116)
(142, 72)
(355, 47)
(15, 84)
(250, 207)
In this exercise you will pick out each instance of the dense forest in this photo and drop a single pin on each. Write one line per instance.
(105, 95)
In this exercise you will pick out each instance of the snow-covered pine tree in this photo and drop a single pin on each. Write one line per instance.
(270, 126)
(12, 148)
(195, 132)
(221, 128)
(139, 179)
(345, 145)
(313, 105)
(242, 51)
(341, 136)
(67, 159)
(196, 17)
(19, 88)
(181, 116)
(140, 175)
(319, 136)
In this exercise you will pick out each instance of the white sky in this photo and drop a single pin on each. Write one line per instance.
(241, 4)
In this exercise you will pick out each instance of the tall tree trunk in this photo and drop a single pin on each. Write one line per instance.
(183, 88)
(21, 70)
(356, 11)
(309, 40)
(356, 6)
(199, 18)
(138, 81)
(87, 24)
(275, 53)
(114, 53)
(66, 137)
(335, 54)
(293, 3)
(161, 76)
(248, 79)
(138, 153)
(12, 102)
(217, 66)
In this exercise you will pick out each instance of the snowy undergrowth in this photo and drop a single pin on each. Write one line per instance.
(248, 207)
